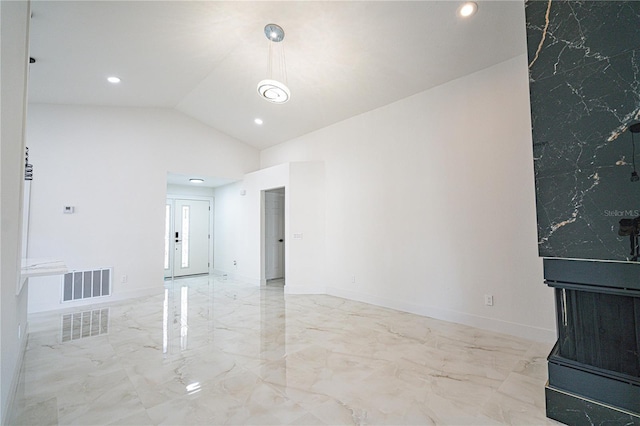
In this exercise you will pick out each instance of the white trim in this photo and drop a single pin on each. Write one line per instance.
(9, 410)
(278, 192)
(26, 204)
(492, 324)
(246, 280)
(115, 297)
(189, 197)
(212, 209)
(297, 289)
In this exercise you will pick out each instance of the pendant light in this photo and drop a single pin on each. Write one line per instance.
(271, 89)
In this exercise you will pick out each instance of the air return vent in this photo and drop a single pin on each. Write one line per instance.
(78, 285)
(85, 324)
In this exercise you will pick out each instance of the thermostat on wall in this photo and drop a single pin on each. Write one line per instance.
(68, 209)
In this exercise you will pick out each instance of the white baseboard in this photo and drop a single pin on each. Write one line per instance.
(499, 326)
(149, 291)
(295, 289)
(8, 411)
(116, 296)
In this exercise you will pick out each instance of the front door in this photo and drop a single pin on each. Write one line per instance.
(187, 237)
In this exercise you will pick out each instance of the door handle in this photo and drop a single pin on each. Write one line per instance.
(280, 240)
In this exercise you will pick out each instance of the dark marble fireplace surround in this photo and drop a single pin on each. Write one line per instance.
(594, 368)
(584, 69)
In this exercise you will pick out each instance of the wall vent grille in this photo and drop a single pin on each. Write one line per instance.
(85, 324)
(78, 285)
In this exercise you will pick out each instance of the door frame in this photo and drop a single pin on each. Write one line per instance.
(263, 231)
(175, 196)
(270, 251)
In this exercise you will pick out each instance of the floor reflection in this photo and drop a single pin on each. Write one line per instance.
(209, 350)
(79, 325)
(273, 335)
(254, 318)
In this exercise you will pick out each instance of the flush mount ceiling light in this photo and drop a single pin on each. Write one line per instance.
(113, 80)
(271, 89)
(196, 180)
(468, 9)
(258, 121)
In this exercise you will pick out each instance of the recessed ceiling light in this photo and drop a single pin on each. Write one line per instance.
(468, 9)
(258, 121)
(113, 80)
(196, 180)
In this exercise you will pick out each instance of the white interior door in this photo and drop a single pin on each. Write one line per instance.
(187, 245)
(274, 234)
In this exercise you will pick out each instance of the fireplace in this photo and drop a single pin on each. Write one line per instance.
(594, 368)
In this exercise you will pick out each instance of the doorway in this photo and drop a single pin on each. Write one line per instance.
(274, 235)
(187, 237)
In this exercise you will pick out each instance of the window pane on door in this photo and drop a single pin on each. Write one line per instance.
(185, 236)
(167, 231)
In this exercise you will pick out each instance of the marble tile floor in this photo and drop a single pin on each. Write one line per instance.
(212, 351)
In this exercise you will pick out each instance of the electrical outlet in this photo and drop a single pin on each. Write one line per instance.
(235, 263)
(353, 278)
(488, 299)
(124, 279)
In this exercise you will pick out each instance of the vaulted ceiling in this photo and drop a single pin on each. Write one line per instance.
(205, 58)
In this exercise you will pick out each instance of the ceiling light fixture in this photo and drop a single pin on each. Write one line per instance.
(468, 9)
(271, 89)
(113, 80)
(196, 180)
(258, 121)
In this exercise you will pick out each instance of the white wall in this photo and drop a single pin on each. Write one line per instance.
(239, 224)
(226, 225)
(430, 204)
(424, 205)
(184, 190)
(14, 18)
(306, 268)
(112, 164)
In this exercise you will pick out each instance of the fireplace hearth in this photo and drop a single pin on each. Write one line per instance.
(594, 368)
